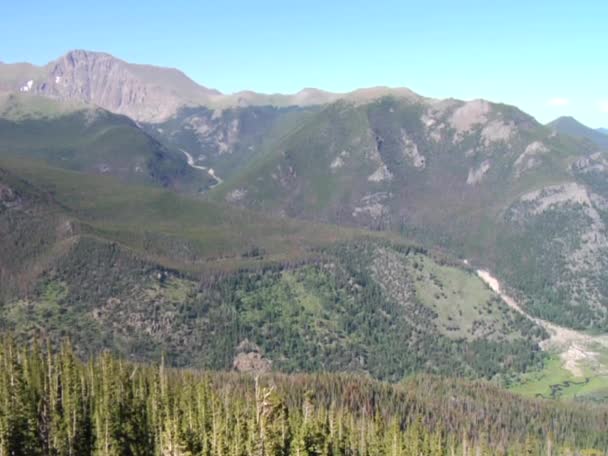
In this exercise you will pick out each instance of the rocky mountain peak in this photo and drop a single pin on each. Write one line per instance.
(142, 92)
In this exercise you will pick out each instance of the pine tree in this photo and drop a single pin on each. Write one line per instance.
(20, 437)
(53, 404)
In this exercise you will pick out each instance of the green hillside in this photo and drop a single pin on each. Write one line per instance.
(88, 139)
(571, 126)
(227, 140)
(144, 271)
(484, 181)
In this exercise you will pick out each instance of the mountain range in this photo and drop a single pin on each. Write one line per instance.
(142, 212)
(144, 92)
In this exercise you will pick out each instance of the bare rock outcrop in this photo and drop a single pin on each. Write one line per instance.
(476, 175)
(249, 358)
(8, 197)
(143, 92)
(530, 158)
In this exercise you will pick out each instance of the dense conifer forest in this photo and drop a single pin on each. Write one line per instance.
(186, 273)
(55, 404)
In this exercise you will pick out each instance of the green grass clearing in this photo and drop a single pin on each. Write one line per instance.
(554, 381)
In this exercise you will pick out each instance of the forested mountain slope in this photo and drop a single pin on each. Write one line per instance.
(85, 138)
(57, 405)
(143, 271)
(484, 180)
(291, 280)
(571, 126)
(227, 140)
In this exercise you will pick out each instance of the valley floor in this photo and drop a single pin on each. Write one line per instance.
(579, 365)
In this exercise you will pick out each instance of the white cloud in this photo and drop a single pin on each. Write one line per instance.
(558, 102)
(603, 105)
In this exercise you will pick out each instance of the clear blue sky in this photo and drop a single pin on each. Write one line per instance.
(548, 57)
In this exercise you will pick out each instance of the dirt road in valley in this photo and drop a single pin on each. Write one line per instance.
(576, 349)
(209, 171)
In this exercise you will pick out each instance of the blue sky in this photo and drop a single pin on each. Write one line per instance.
(547, 57)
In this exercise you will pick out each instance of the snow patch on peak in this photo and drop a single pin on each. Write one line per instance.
(27, 87)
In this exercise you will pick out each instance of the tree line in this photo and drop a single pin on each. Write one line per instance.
(51, 403)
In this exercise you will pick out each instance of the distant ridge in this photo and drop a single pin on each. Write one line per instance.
(150, 93)
(570, 126)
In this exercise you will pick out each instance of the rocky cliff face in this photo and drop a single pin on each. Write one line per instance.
(142, 92)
